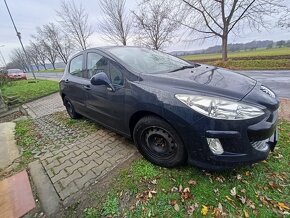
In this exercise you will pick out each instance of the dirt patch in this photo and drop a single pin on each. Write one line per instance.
(284, 110)
(11, 117)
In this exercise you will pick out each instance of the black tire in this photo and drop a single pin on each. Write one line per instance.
(70, 108)
(158, 142)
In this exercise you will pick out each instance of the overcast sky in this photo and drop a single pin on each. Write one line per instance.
(28, 14)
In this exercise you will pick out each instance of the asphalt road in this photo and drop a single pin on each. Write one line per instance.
(278, 81)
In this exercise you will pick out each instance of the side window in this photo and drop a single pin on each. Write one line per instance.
(76, 66)
(116, 74)
(95, 64)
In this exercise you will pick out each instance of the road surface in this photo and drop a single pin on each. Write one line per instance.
(279, 81)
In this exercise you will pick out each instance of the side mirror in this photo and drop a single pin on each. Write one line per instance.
(102, 79)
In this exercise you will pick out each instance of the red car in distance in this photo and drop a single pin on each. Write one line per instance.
(16, 74)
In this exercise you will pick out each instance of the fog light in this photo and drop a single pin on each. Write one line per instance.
(215, 146)
(260, 145)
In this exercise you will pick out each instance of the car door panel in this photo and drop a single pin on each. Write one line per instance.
(104, 105)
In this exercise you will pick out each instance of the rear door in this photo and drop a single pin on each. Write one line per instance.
(103, 104)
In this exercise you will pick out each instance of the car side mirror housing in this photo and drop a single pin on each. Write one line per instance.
(102, 79)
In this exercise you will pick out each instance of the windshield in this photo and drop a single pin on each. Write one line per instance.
(147, 61)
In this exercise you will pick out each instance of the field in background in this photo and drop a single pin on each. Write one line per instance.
(262, 59)
(51, 70)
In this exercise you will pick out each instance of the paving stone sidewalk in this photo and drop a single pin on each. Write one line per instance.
(75, 159)
(74, 167)
(44, 106)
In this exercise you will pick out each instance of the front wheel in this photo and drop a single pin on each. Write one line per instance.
(70, 109)
(158, 142)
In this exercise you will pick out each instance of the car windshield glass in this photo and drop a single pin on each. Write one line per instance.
(148, 61)
(12, 71)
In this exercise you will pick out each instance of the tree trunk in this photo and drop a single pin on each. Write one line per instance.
(225, 48)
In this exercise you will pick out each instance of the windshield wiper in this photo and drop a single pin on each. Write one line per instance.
(185, 67)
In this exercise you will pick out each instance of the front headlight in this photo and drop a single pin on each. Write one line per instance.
(219, 108)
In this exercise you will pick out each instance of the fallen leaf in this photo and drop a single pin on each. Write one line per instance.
(246, 214)
(283, 206)
(174, 189)
(176, 207)
(204, 210)
(186, 190)
(180, 188)
(192, 182)
(239, 177)
(243, 199)
(154, 182)
(233, 191)
(150, 195)
(190, 210)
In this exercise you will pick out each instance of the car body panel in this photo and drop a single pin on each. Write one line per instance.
(155, 94)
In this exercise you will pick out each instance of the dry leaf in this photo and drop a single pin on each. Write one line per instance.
(192, 182)
(150, 195)
(246, 214)
(233, 191)
(190, 210)
(180, 188)
(174, 189)
(186, 190)
(204, 210)
(176, 207)
(283, 206)
(172, 202)
(239, 177)
(243, 199)
(154, 182)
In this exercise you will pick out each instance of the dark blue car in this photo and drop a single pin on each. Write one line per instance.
(176, 112)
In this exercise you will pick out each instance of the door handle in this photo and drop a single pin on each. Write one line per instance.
(66, 81)
(87, 87)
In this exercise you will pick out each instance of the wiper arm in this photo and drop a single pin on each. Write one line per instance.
(184, 67)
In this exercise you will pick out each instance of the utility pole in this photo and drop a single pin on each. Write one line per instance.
(19, 37)
(3, 56)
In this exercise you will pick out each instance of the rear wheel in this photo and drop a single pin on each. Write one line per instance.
(158, 142)
(70, 108)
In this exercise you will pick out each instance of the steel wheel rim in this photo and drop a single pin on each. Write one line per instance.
(158, 142)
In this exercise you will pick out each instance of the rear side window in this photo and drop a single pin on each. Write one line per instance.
(76, 66)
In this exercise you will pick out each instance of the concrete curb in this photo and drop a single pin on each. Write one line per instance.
(47, 195)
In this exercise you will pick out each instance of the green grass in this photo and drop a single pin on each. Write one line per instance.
(26, 138)
(51, 70)
(27, 91)
(253, 191)
(239, 54)
(272, 64)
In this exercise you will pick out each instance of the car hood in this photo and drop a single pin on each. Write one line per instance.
(203, 79)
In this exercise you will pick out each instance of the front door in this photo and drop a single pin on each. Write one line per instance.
(103, 104)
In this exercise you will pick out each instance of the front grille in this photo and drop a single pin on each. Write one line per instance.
(260, 145)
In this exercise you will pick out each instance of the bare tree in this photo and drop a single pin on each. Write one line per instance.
(34, 57)
(115, 23)
(46, 45)
(284, 21)
(18, 60)
(218, 18)
(38, 50)
(154, 24)
(58, 41)
(74, 22)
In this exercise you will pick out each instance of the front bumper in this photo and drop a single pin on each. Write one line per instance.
(238, 143)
